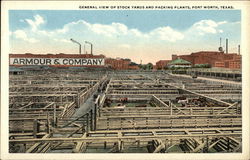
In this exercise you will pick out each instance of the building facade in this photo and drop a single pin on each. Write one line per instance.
(57, 60)
(179, 63)
(214, 58)
(70, 60)
(161, 64)
(117, 64)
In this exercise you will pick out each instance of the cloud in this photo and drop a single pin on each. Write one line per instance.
(127, 46)
(118, 29)
(222, 22)
(101, 29)
(68, 27)
(167, 34)
(207, 27)
(45, 33)
(34, 24)
(62, 40)
(117, 39)
(114, 30)
(20, 34)
(109, 30)
(137, 33)
(237, 22)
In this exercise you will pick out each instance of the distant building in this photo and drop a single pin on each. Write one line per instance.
(69, 60)
(174, 56)
(161, 64)
(214, 58)
(219, 64)
(179, 63)
(60, 55)
(57, 60)
(117, 64)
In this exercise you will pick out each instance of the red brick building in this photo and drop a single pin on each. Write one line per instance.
(220, 64)
(60, 55)
(161, 64)
(214, 58)
(57, 60)
(118, 64)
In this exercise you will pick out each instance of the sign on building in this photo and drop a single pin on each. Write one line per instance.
(58, 61)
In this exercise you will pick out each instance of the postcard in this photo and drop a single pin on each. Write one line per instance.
(125, 80)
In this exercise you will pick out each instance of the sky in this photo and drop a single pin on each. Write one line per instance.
(147, 35)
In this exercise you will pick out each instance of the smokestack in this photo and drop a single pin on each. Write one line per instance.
(220, 48)
(91, 48)
(239, 49)
(226, 46)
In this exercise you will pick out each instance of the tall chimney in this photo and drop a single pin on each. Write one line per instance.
(226, 46)
(220, 48)
(239, 49)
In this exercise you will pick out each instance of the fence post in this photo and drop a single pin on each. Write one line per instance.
(95, 112)
(48, 127)
(87, 127)
(171, 108)
(54, 116)
(35, 128)
(91, 119)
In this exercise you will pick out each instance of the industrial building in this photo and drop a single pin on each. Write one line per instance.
(161, 64)
(120, 64)
(179, 63)
(220, 58)
(213, 58)
(70, 60)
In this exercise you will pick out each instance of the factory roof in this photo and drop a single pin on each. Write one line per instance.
(60, 55)
(179, 61)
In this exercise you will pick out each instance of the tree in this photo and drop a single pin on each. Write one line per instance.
(149, 66)
(127, 59)
(133, 64)
(142, 66)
